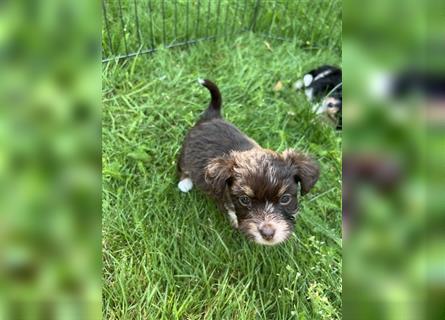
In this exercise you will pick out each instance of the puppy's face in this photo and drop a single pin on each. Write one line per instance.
(261, 188)
(331, 108)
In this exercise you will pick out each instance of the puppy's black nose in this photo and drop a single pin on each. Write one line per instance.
(267, 232)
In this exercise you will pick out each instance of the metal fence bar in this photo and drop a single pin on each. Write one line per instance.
(273, 17)
(176, 19)
(152, 50)
(217, 17)
(225, 20)
(255, 15)
(285, 7)
(234, 17)
(244, 14)
(123, 27)
(208, 18)
(266, 35)
(164, 41)
(312, 26)
(197, 18)
(138, 29)
(291, 12)
(330, 30)
(307, 20)
(187, 21)
(324, 19)
(150, 10)
(107, 27)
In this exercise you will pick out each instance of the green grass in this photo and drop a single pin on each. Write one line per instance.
(169, 255)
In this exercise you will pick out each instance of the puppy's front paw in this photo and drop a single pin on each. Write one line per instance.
(298, 85)
(185, 185)
(233, 218)
(309, 93)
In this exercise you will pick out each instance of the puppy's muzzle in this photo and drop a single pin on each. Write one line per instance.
(267, 231)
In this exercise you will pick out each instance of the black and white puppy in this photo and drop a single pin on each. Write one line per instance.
(324, 83)
(256, 187)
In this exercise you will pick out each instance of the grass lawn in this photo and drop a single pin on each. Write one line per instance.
(169, 255)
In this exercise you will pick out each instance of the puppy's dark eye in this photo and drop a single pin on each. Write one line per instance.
(244, 200)
(330, 105)
(285, 199)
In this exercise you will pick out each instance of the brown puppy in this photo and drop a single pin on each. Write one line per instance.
(255, 186)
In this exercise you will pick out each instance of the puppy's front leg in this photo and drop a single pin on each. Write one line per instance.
(231, 214)
(232, 217)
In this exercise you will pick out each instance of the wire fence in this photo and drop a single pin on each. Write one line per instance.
(132, 27)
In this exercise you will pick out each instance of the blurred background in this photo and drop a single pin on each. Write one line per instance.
(393, 160)
(50, 234)
(393, 203)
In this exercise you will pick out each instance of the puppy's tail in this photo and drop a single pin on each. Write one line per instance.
(214, 108)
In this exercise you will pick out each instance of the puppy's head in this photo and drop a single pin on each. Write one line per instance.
(261, 187)
(331, 109)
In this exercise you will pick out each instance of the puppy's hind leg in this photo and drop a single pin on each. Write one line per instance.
(185, 184)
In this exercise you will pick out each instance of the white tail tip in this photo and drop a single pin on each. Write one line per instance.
(201, 81)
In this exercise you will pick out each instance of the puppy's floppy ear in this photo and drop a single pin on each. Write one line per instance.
(306, 169)
(218, 173)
